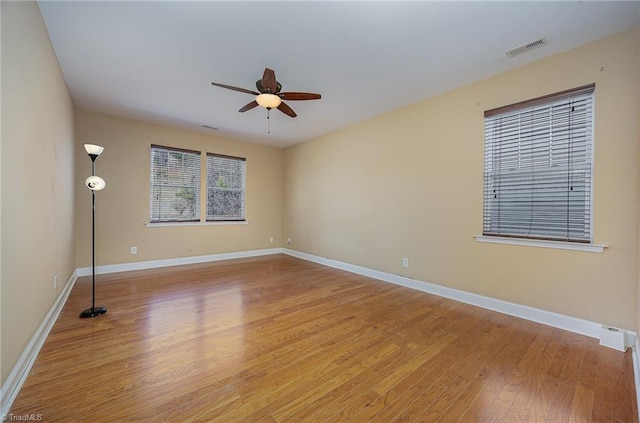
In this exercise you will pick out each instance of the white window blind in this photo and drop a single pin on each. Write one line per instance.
(537, 168)
(225, 187)
(175, 185)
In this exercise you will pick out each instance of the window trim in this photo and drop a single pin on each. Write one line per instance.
(180, 150)
(244, 190)
(198, 209)
(550, 242)
(225, 156)
(584, 89)
(197, 223)
(544, 243)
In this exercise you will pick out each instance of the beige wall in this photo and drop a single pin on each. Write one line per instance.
(409, 184)
(37, 178)
(122, 208)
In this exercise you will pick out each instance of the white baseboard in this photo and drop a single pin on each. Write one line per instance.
(561, 321)
(140, 265)
(21, 370)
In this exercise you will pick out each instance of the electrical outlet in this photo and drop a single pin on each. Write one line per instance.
(55, 281)
(405, 262)
(134, 250)
(271, 240)
(288, 241)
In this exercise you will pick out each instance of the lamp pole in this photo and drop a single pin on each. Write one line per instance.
(94, 183)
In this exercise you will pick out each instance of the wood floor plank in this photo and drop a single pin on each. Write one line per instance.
(332, 406)
(625, 408)
(603, 394)
(279, 339)
(546, 394)
(411, 390)
(562, 405)
(529, 375)
(487, 406)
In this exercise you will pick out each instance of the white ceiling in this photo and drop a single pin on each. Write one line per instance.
(155, 61)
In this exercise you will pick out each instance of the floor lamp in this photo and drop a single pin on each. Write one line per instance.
(94, 183)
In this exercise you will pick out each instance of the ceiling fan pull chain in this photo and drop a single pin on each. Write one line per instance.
(268, 122)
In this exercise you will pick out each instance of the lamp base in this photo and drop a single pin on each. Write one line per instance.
(93, 312)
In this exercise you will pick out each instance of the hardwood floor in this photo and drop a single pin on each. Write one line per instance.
(276, 339)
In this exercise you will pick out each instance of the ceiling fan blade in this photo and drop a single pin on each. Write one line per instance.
(269, 82)
(287, 110)
(249, 106)
(231, 87)
(300, 96)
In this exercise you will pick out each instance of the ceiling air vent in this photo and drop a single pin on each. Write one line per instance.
(525, 48)
(210, 127)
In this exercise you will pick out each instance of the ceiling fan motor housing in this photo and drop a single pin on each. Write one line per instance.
(262, 90)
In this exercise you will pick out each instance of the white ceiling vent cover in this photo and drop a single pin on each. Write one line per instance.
(525, 48)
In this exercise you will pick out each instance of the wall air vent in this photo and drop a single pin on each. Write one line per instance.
(527, 47)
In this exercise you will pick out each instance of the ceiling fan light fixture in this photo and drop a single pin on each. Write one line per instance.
(268, 101)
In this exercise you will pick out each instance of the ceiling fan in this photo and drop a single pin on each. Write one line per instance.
(269, 95)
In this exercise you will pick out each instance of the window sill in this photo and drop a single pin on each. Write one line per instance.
(211, 223)
(561, 245)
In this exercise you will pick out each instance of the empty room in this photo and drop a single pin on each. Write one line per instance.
(312, 211)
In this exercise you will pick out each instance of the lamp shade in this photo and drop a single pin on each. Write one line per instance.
(268, 101)
(93, 150)
(95, 183)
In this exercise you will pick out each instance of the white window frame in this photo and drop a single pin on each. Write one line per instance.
(159, 212)
(221, 186)
(502, 146)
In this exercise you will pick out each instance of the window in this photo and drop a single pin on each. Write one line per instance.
(225, 187)
(537, 168)
(175, 185)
